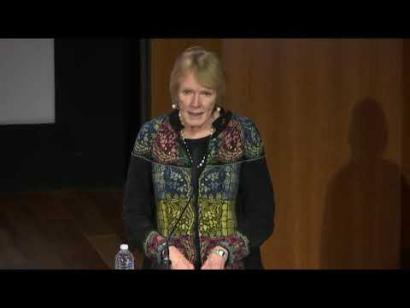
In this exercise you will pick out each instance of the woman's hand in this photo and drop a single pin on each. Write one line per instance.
(178, 260)
(214, 261)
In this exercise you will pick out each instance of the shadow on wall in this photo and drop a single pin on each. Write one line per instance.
(361, 226)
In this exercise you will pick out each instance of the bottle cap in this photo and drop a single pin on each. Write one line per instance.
(124, 247)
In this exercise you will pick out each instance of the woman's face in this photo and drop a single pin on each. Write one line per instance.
(196, 103)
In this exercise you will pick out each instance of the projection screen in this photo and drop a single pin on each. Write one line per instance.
(27, 81)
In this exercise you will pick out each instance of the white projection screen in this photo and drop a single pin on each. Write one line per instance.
(27, 81)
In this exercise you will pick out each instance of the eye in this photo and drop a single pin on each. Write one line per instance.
(186, 92)
(207, 93)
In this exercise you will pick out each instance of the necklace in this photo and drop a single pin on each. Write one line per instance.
(202, 162)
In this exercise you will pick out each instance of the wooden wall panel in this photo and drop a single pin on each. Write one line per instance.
(338, 197)
(302, 94)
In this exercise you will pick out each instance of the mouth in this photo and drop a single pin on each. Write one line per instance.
(195, 114)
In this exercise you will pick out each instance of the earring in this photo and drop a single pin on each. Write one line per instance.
(218, 109)
(174, 106)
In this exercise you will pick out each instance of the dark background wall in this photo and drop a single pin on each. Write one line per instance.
(98, 95)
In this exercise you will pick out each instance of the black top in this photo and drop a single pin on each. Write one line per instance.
(197, 148)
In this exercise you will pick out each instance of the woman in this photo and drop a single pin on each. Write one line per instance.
(198, 179)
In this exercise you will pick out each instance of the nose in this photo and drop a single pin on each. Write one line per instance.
(196, 100)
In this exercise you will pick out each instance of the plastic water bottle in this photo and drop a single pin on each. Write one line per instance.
(124, 260)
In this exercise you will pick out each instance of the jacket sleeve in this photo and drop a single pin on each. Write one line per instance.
(138, 209)
(255, 200)
(139, 202)
(256, 205)
(254, 210)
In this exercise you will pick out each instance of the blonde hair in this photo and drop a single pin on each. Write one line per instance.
(206, 68)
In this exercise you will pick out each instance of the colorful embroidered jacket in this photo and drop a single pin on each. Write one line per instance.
(232, 204)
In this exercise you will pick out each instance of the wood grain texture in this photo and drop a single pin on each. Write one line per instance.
(330, 115)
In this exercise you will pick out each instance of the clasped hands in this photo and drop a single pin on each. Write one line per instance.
(178, 261)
